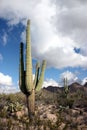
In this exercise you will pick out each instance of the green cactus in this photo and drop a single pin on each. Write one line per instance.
(66, 89)
(26, 83)
(14, 107)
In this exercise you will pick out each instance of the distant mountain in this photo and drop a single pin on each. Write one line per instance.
(72, 88)
(53, 89)
(85, 85)
(50, 92)
(75, 87)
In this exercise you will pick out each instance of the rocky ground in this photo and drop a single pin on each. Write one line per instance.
(52, 112)
(48, 116)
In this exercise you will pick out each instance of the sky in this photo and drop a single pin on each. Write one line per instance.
(58, 35)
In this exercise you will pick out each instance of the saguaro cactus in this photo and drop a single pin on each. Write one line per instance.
(66, 89)
(26, 82)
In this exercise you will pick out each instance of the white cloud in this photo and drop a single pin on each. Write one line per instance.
(23, 36)
(56, 29)
(71, 21)
(84, 81)
(49, 82)
(71, 77)
(5, 79)
(4, 38)
(6, 84)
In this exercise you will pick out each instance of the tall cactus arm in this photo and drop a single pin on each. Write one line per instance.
(41, 79)
(26, 83)
(29, 78)
(66, 89)
(36, 74)
(21, 69)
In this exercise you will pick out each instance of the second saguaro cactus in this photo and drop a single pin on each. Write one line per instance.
(26, 82)
(66, 88)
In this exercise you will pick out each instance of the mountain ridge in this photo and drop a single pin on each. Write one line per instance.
(72, 87)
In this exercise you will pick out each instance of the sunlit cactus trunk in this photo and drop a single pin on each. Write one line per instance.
(32, 102)
(29, 78)
(29, 75)
(26, 83)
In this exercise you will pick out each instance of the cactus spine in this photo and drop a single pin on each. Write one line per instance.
(26, 83)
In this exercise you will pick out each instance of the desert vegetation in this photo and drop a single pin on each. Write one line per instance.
(52, 112)
(51, 108)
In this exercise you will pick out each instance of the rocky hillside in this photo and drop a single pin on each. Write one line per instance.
(72, 88)
(54, 110)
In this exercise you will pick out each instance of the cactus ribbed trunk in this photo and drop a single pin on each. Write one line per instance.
(26, 83)
(66, 89)
(32, 102)
(29, 78)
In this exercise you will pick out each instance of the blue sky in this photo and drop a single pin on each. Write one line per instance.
(58, 34)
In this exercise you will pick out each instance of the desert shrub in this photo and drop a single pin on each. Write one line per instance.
(3, 100)
(3, 113)
(64, 101)
(13, 107)
(69, 102)
(52, 126)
